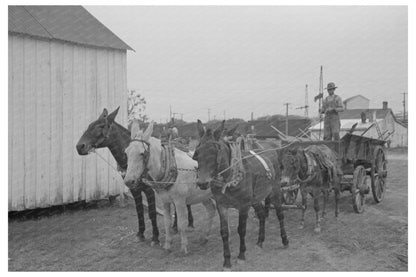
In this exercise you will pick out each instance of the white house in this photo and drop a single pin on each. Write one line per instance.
(356, 102)
(64, 68)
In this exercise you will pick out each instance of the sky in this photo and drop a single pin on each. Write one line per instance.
(238, 60)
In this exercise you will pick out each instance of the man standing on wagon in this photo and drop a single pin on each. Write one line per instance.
(331, 106)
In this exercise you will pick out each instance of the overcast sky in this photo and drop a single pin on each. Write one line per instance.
(256, 58)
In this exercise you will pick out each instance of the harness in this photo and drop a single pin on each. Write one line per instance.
(169, 171)
(311, 173)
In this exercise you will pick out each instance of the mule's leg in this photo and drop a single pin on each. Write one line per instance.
(137, 195)
(304, 195)
(151, 200)
(181, 210)
(316, 207)
(337, 192)
(267, 202)
(242, 226)
(175, 222)
(261, 214)
(280, 216)
(190, 217)
(223, 213)
(167, 221)
(325, 193)
(210, 208)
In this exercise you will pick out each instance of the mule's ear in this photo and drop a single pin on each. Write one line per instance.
(232, 131)
(219, 130)
(135, 128)
(200, 127)
(112, 115)
(104, 114)
(148, 132)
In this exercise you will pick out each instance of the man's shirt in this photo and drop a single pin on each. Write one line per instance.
(332, 102)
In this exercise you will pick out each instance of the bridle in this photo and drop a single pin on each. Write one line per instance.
(217, 176)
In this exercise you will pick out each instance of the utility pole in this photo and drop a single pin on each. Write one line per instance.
(404, 107)
(306, 102)
(224, 114)
(287, 118)
(209, 110)
(252, 116)
(170, 112)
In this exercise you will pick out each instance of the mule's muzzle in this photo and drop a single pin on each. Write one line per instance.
(203, 185)
(83, 149)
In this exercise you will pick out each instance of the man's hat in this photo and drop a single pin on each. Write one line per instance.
(330, 86)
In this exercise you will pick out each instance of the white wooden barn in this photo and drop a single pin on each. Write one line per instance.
(64, 68)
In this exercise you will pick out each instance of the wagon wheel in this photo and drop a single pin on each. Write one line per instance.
(358, 188)
(378, 174)
(289, 196)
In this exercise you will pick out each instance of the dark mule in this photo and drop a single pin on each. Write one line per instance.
(213, 155)
(105, 132)
(312, 173)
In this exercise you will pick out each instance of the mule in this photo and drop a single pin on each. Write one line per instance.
(299, 165)
(106, 132)
(213, 155)
(144, 154)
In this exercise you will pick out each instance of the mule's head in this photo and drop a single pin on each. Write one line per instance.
(137, 153)
(97, 133)
(211, 154)
(289, 165)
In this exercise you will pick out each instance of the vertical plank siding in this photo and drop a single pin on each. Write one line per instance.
(43, 123)
(10, 122)
(29, 125)
(55, 90)
(18, 121)
(56, 106)
(101, 188)
(68, 145)
(80, 122)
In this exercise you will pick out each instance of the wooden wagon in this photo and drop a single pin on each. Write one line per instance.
(363, 163)
(362, 160)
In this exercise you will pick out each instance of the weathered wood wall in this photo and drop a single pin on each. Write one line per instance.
(55, 90)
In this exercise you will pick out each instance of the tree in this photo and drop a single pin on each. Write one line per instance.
(136, 107)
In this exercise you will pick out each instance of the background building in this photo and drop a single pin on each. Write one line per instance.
(64, 68)
(384, 118)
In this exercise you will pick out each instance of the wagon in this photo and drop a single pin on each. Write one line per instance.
(363, 163)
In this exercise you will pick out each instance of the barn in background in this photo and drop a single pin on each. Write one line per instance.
(64, 68)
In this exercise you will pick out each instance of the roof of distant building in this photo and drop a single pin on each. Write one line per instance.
(356, 96)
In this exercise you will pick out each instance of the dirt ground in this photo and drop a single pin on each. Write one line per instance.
(104, 239)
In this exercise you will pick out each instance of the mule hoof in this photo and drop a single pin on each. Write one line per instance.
(317, 229)
(155, 244)
(240, 261)
(259, 245)
(140, 237)
(174, 230)
(190, 229)
(167, 248)
(227, 269)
